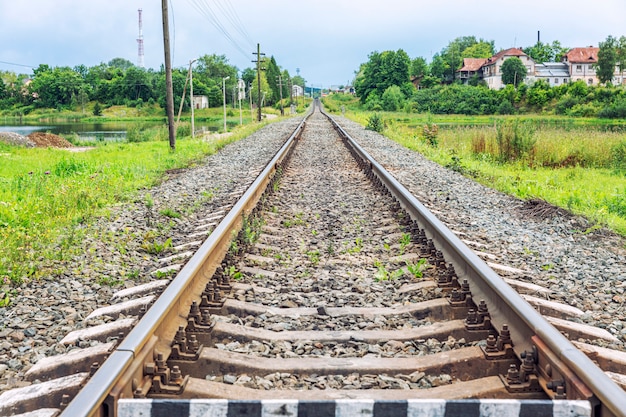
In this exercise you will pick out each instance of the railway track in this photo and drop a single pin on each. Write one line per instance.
(340, 295)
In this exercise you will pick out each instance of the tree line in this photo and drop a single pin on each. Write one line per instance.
(386, 82)
(120, 82)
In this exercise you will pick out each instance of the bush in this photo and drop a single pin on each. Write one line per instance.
(430, 132)
(618, 156)
(515, 140)
(505, 107)
(183, 129)
(375, 123)
(616, 110)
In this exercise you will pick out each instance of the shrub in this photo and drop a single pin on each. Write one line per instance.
(618, 156)
(515, 140)
(505, 107)
(183, 129)
(479, 143)
(375, 123)
(430, 132)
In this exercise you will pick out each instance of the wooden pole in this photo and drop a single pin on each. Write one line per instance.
(169, 93)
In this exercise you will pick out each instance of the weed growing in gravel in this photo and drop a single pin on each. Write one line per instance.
(155, 247)
(330, 249)
(358, 246)
(232, 272)
(110, 282)
(251, 229)
(382, 274)
(405, 241)
(167, 212)
(164, 274)
(417, 269)
(314, 256)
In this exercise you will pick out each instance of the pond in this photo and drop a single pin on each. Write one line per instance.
(87, 132)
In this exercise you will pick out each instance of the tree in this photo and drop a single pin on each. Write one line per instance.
(55, 87)
(419, 67)
(383, 70)
(543, 52)
(607, 59)
(621, 56)
(450, 59)
(481, 49)
(273, 72)
(513, 71)
(393, 98)
(3, 90)
(121, 63)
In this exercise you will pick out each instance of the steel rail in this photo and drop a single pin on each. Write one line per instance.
(173, 304)
(504, 302)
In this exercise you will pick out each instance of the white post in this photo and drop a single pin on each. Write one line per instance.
(193, 129)
(224, 91)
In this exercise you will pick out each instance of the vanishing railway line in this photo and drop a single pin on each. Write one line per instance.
(341, 295)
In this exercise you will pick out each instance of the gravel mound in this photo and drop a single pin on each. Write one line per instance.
(16, 139)
(48, 140)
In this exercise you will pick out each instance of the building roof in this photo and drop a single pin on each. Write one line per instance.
(472, 64)
(552, 69)
(587, 54)
(507, 52)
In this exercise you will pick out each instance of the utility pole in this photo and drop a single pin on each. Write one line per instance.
(258, 77)
(280, 88)
(168, 77)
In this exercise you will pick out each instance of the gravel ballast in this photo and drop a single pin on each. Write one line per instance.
(585, 270)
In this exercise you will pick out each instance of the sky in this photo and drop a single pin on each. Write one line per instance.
(324, 41)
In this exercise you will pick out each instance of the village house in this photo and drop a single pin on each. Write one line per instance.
(492, 68)
(471, 68)
(578, 64)
(553, 73)
(200, 102)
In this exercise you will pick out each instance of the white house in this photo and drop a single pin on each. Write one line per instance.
(200, 102)
(553, 73)
(297, 91)
(492, 68)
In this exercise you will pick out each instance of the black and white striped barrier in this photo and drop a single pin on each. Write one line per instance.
(353, 408)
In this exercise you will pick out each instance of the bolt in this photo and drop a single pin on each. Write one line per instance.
(455, 295)
(483, 310)
(194, 311)
(94, 367)
(160, 363)
(472, 317)
(192, 344)
(176, 377)
(206, 317)
(492, 344)
(513, 375)
(505, 337)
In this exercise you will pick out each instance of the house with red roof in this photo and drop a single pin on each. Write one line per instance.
(492, 68)
(578, 64)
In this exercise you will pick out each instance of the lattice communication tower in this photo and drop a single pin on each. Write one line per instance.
(140, 61)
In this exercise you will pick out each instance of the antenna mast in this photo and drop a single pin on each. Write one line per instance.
(140, 61)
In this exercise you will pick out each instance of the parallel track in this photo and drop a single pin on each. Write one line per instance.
(155, 359)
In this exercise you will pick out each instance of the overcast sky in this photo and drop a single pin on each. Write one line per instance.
(326, 40)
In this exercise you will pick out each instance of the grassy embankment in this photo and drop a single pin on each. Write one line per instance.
(48, 195)
(575, 163)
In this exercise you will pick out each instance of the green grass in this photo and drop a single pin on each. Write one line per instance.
(571, 166)
(47, 196)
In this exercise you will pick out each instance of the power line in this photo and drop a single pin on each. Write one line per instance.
(17, 65)
(205, 9)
